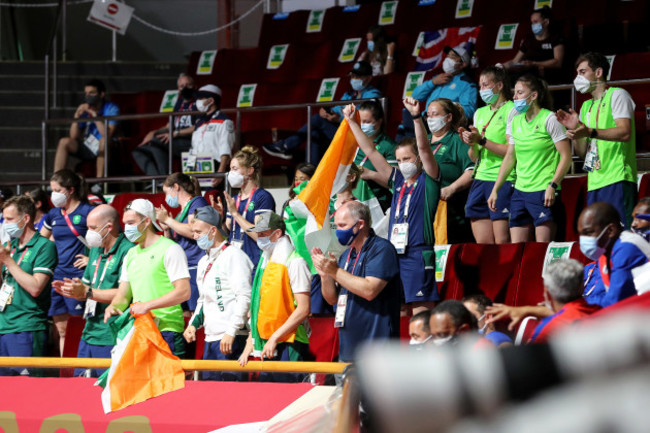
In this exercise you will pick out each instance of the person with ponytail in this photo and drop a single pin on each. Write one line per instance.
(65, 224)
(245, 207)
(417, 190)
(488, 144)
(182, 191)
(444, 117)
(540, 152)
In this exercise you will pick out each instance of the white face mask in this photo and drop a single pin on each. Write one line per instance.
(583, 85)
(414, 342)
(202, 106)
(436, 123)
(235, 179)
(94, 238)
(449, 65)
(442, 341)
(59, 199)
(408, 169)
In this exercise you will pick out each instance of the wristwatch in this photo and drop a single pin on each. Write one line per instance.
(553, 185)
(482, 141)
(594, 133)
(89, 293)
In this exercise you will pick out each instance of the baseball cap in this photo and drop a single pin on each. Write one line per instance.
(268, 221)
(144, 207)
(208, 91)
(362, 69)
(209, 215)
(460, 50)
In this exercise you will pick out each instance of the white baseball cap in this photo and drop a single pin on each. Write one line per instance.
(145, 208)
(209, 91)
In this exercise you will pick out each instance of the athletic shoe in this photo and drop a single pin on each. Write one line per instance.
(277, 149)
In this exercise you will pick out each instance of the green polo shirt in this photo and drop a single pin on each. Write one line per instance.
(385, 145)
(28, 313)
(96, 331)
(451, 155)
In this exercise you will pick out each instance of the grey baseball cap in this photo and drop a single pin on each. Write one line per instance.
(268, 221)
(210, 215)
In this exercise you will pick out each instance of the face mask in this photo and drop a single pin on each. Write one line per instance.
(484, 327)
(449, 66)
(202, 106)
(521, 105)
(589, 246)
(645, 233)
(436, 123)
(265, 243)
(59, 199)
(488, 97)
(442, 341)
(94, 239)
(408, 169)
(582, 84)
(131, 232)
(368, 129)
(187, 94)
(414, 342)
(357, 84)
(172, 201)
(204, 242)
(346, 236)
(537, 29)
(13, 230)
(92, 100)
(235, 179)
(371, 45)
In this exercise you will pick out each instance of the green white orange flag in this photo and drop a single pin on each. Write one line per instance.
(312, 204)
(142, 365)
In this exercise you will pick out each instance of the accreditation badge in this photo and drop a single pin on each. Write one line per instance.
(6, 295)
(399, 237)
(91, 307)
(92, 143)
(592, 161)
(341, 306)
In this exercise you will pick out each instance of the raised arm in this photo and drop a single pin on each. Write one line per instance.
(382, 166)
(429, 162)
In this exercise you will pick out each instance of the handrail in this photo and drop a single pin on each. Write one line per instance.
(188, 365)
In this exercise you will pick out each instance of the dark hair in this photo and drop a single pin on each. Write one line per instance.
(23, 204)
(379, 38)
(409, 142)
(499, 75)
(424, 316)
(538, 85)
(187, 183)
(375, 109)
(456, 110)
(544, 13)
(6, 193)
(39, 194)
(459, 314)
(97, 84)
(595, 61)
(69, 179)
(604, 214)
(356, 171)
(481, 301)
(644, 201)
(306, 167)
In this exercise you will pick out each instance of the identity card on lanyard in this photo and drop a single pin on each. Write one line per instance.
(399, 235)
(342, 303)
(7, 290)
(91, 305)
(239, 243)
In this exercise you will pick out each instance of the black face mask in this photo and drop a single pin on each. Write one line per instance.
(187, 94)
(92, 100)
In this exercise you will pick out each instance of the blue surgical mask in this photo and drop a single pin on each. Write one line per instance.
(204, 242)
(590, 248)
(264, 243)
(357, 84)
(131, 231)
(488, 97)
(13, 230)
(371, 45)
(521, 105)
(346, 236)
(172, 200)
(368, 129)
(537, 28)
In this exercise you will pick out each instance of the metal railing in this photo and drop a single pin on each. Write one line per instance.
(237, 111)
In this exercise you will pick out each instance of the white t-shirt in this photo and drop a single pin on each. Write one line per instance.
(622, 105)
(175, 264)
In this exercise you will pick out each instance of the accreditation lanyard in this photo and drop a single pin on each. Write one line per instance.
(589, 275)
(408, 201)
(205, 274)
(347, 262)
(94, 281)
(5, 271)
(600, 102)
(234, 223)
(72, 228)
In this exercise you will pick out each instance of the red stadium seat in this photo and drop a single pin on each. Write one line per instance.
(73, 332)
(644, 185)
(323, 341)
(447, 289)
(574, 200)
(121, 200)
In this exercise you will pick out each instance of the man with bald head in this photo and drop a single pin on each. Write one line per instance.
(98, 286)
(364, 284)
(616, 252)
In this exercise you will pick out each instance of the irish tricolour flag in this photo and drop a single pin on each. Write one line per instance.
(142, 365)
